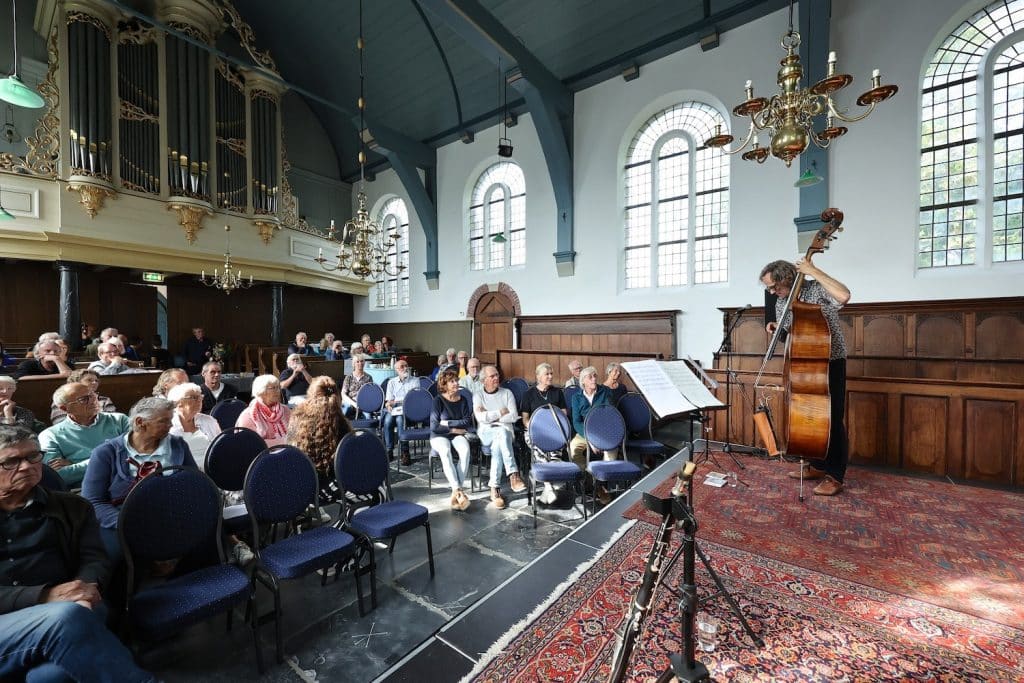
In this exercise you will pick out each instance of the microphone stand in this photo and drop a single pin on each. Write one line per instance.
(726, 347)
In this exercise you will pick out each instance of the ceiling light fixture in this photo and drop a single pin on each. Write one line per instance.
(504, 144)
(809, 177)
(229, 280)
(365, 250)
(788, 117)
(11, 88)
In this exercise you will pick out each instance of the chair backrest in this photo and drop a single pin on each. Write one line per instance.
(384, 385)
(360, 463)
(425, 383)
(549, 429)
(518, 387)
(432, 388)
(52, 481)
(170, 516)
(417, 406)
(280, 484)
(230, 454)
(569, 392)
(226, 412)
(370, 398)
(635, 412)
(605, 428)
(467, 394)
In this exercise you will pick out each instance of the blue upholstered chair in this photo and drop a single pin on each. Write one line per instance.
(549, 433)
(226, 412)
(426, 383)
(416, 426)
(280, 485)
(369, 401)
(227, 461)
(169, 517)
(606, 431)
(361, 469)
(639, 437)
(518, 386)
(569, 392)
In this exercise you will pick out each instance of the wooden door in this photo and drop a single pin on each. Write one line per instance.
(492, 326)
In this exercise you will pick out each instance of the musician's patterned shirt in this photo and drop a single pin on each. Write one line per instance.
(814, 293)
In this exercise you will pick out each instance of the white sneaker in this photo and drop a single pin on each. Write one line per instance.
(242, 554)
(549, 495)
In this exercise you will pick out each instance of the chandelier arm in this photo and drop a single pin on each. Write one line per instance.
(823, 143)
(743, 145)
(849, 119)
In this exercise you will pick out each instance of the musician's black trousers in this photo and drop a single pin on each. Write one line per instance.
(838, 445)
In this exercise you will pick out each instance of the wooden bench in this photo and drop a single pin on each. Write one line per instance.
(523, 363)
(36, 392)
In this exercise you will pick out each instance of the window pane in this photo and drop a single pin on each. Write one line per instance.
(498, 206)
(392, 286)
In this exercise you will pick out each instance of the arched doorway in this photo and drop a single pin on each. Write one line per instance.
(493, 318)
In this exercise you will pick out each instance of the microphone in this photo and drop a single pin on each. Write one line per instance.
(685, 475)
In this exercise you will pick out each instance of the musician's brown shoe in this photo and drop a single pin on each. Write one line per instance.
(829, 487)
(809, 473)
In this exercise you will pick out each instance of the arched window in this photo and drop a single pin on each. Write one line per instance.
(677, 201)
(976, 69)
(497, 218)
(393, 290)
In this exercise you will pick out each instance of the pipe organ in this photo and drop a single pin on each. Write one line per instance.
(264, 156)
(232, 177)
(89, 96)
(138, 90)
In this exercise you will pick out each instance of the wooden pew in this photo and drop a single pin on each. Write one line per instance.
(523, 363)
(36, 392)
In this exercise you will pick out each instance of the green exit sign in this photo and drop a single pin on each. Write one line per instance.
(152, 277)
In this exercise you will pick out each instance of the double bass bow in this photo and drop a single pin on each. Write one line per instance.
(805, 369)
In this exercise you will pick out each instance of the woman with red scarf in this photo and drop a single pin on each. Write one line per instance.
(266, 415)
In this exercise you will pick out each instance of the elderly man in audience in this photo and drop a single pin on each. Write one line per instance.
(48, 358)
(68, 445)
(168, 379)
(266, 415)
(10, 412)
(495, 410)
(471, 380)
(336, 351)
(574, 367)
(366, 340)
(442, 365)
(351, 385)
(213, 389)
(295, 379)
(110, 361)
(198, 350)
(91, 379)
(326, 342)
(300, 346)
(463, 359)
(356, 349)
(86, 337)
(591, 396)
(115, 464)
(51, 606)
(398, 386)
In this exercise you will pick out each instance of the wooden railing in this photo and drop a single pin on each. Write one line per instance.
(36, 392)
(523, 363)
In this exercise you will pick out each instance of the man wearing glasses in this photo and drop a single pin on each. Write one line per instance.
(52, 569)
(398, 387)
(68, 444)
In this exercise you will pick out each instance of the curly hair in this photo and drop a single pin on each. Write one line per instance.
(317, 424)
(444, 377)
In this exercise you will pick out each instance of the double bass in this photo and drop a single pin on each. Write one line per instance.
(805, 369)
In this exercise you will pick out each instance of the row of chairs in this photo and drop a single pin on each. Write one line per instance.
(171, 517)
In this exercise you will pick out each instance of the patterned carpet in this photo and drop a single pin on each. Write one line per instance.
(816, 628)
(958, 547)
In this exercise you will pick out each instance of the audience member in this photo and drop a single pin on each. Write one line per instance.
(214, 390)
(365, 341)
(591, 396)
(463, 359)
(295, 379)
(48, 358)
(198, 350)
(91, 379)
(316, 427)
(574, 367)
(353, 383)
(336, 351)
(442, 364)
(195, 428)
(159, 357)
(356, 349)
(108, 333)
(51, 603)
(299, 346)
(613, 377)
(88, 332)
(10, 412)
(451, 427)
(327, 341)
(387, 344)
(266, 415)
(110, 361)
(114, 465)
(168, 379)
(68, 445)
(472, 379)
(6, 359)
(128, 350)
(495, 410)
(449, 357)
(398, 386)
(543, 393)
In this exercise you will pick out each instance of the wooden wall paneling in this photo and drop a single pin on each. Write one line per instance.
(989, 427)
(883, 335)
(970, 334)
(999, 335)
(131, 308)
(940, 335)
(924, 435)
(867, 427)
(316, 311)
(29, 305)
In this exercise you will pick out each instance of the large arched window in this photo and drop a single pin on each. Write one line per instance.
(393, 290)
(497, 218)
(677, 201)
(978, 68)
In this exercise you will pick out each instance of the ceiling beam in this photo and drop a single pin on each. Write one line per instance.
(549, 102)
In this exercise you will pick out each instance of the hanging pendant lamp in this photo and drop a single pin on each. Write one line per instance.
(12, 89)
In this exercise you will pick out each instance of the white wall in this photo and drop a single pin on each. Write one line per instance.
(872, 176)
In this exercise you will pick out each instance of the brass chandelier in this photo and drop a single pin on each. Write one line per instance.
(231, 279)
(788, 117)
(364, 246)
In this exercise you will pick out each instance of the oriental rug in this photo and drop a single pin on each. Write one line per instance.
(958, 547)
(816, 627)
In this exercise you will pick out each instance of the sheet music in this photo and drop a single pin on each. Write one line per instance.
(659, 390)
(680, 374)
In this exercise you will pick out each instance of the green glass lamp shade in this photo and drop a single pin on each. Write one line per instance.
(14, 91)
(4, 216)
(499, 238)
(808, 178)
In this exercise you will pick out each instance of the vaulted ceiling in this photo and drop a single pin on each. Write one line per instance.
(428, 81)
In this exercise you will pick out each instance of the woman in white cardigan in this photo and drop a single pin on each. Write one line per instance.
(192, 425)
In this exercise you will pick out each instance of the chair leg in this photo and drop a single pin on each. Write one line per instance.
(430, 548)
(391, 545)
(277, 623)
(533, 499)
(359, 586)
(250, 609)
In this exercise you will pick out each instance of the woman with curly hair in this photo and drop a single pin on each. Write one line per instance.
(317, 426)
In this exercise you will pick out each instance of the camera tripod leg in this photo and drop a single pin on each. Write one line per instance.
(722, 591)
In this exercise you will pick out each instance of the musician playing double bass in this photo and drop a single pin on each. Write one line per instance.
(831, 294)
